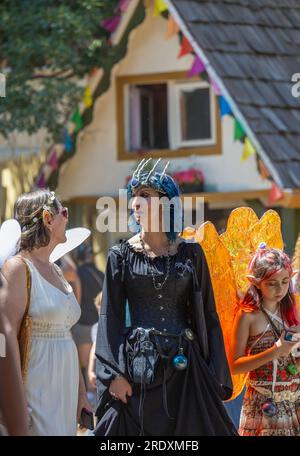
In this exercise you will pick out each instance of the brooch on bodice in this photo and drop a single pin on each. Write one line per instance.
(184, 269)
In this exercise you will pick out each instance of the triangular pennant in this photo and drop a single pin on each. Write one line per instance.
(248, 150)
(172, 27)
(264, 172)
(215, 87)
(41, 181)
(159, 7)
(225, 108)
(123, 5)
(87, 97)
(198, 67)
(68, 143)
(111, 24)
(53, 160)
(275, 194)
(77, 120)
(186, 48)
(239, 132)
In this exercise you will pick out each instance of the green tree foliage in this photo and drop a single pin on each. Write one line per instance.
(46, 48)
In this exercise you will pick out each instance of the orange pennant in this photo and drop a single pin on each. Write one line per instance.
(264, 172)
(186, 48)
(172, 28)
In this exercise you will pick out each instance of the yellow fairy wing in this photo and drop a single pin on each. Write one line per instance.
(237, 240)
(223, 283)
(268, 230)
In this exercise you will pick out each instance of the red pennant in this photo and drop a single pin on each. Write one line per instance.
(186, 48)
(275, 194)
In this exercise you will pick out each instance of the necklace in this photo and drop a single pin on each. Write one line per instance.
(158, 285)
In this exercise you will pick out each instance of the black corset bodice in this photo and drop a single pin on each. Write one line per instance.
(165, 309)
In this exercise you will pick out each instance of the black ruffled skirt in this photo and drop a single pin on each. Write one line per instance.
(177, 403)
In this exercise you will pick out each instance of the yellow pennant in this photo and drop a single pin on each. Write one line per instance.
(87, 97)
(159, 7)
(172, 27)
(248, 150)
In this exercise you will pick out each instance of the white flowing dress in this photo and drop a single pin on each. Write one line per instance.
(53, 373)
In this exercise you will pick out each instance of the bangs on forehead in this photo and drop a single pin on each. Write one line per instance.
(146, 187)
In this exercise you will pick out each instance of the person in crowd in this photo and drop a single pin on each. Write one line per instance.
(266, 337)
(54, 388)
(166, 374)
(91, 282)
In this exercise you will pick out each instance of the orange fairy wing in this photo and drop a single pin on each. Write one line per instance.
(237, 240)
(223, 283)
(268, 230)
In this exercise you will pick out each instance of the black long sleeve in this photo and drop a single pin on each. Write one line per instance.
(110, 359)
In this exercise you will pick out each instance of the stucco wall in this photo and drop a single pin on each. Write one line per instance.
(95, 169)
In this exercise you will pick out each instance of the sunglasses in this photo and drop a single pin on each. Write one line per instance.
(64, 212)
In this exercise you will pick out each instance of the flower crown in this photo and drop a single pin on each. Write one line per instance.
(46, 207)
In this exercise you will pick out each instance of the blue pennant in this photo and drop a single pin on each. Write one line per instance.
(68, 143)
(224, 107)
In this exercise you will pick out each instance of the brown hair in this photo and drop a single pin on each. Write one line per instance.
(28, 211)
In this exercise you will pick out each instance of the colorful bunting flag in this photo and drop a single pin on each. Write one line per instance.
(172, 28)
(123, 5)
(215, 87)
(248, 150)
(264, 172)
(186, 48)
(53, 160)
(87, 97)
(77, 120)
(68, 143)
(239, 132)
(198, 67)
(111, 24)
(159, 7)
(41, 181)
(225, 108)
(275, 194)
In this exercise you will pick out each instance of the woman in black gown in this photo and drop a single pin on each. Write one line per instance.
(165, 283)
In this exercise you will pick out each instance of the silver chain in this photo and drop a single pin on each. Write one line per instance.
(159, 285)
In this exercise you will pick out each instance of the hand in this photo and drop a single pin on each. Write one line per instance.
(284, 347)
(120, 389)
(83, 403)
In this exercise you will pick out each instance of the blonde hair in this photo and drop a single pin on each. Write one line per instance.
(296, 257)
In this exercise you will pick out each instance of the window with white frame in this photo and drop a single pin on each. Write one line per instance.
(169, 115)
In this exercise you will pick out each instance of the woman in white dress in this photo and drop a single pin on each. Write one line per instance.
(54, 386)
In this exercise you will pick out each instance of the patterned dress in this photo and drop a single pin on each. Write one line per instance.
(259, 388)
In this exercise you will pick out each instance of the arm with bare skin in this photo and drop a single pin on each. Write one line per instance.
(242, 363)
(13, 301)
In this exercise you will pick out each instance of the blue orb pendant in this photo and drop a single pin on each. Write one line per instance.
(180, 361)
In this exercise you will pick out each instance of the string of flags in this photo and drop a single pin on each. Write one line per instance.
(198, 68)
(76, 123)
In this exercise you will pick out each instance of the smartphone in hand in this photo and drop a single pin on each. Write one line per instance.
(291, 336)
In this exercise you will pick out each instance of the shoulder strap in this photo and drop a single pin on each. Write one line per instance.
(274, 328)
(28, 285)
(60, 274)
